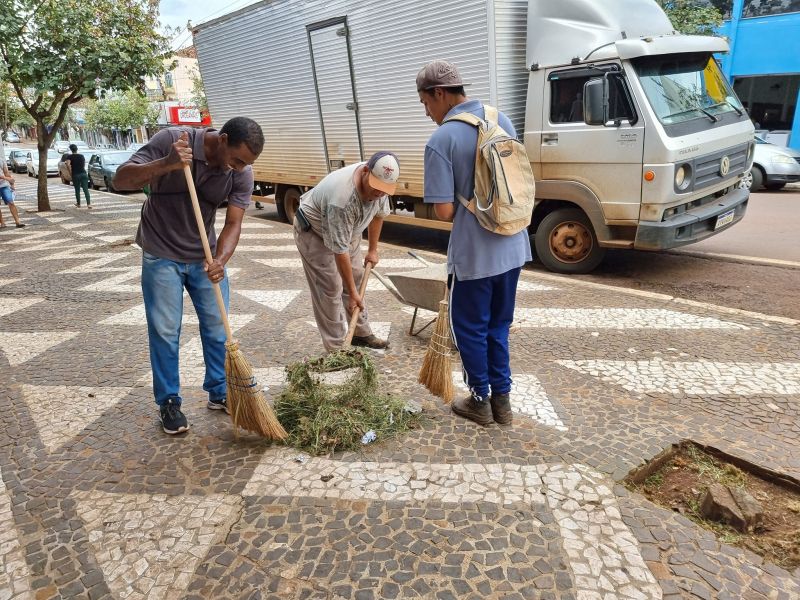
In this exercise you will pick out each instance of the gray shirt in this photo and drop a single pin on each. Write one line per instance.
(336, 212)
(168, 228)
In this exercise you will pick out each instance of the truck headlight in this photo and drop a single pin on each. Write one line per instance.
(783, 159)
(683, 177)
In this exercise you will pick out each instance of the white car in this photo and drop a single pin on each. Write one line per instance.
(32, 163)
(62, 146)
(773, 167)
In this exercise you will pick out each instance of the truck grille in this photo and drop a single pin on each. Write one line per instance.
(707, 168)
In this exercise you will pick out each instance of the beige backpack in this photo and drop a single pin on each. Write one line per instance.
(504, 186)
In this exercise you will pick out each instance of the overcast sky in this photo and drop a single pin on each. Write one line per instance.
(175, 13)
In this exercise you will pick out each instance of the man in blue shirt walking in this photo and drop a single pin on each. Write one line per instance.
(483, 266)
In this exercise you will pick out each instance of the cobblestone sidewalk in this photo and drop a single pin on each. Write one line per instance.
(96, 502)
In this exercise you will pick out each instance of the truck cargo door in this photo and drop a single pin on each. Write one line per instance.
(606, 159)
(333, 77)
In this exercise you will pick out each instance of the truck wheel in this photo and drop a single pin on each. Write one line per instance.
(758, 179)
(565, 242)
(288, 203)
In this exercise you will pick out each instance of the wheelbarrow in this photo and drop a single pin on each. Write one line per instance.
(422, 288)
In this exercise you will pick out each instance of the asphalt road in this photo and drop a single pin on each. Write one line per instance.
(753, 266)
(736, 269)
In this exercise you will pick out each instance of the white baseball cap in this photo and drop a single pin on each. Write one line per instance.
(384, 170)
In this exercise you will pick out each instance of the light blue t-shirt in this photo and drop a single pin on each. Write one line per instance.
(474, 252)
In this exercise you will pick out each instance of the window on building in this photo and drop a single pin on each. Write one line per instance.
(168, 79)
(566, 99)
(763, 8)
(770, 100)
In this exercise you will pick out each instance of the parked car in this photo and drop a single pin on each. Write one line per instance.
(11, 136)
(773, 167)
(136, 146)
(32, 163)
(62, 146)
(103, 165)
(105, 147)
(17, 161)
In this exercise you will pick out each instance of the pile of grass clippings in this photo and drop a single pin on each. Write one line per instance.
(321, 417)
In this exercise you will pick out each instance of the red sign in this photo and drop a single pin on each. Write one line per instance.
(187, 115)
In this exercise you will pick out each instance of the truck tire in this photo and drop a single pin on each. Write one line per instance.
(758, 179)
(287, 203)
(565, 242)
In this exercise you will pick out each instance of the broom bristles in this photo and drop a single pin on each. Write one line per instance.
(436, 373)
(246, 401)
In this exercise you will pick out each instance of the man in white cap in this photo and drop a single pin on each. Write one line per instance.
(327, 230)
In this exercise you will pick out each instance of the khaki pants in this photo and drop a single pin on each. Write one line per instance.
(328, 296)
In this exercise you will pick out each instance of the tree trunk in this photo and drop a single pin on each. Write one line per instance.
(41, 189)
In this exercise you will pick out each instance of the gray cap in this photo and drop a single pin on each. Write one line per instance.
(439, 73)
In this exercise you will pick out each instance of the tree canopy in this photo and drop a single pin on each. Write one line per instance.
(697, 17)
(56, 52)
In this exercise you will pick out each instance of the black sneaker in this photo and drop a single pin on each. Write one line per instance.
(172, 419)
(20, 224)
(221, 404)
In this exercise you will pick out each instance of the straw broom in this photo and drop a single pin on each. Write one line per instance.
(247, 404)
(436, 373)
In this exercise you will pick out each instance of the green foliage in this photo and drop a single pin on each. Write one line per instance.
(324, 417)
(199, 93)
(121, 111)
(56, 52)
(692, 16)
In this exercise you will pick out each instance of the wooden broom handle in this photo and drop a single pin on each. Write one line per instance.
(354, 318)
(201, 229)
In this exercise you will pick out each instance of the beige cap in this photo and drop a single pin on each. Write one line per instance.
(439, 73)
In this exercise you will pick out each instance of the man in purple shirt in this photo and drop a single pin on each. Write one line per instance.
(173, 258)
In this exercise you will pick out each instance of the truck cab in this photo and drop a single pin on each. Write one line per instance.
(636, 138)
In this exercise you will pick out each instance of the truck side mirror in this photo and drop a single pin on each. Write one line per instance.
(595, 101)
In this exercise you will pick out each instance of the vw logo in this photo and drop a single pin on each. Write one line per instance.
(724, 166)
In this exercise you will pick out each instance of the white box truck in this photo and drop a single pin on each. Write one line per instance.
(635, 137)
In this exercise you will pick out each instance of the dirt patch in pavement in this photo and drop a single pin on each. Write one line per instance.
(679, 478)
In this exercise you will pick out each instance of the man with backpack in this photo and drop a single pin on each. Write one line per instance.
(488, 245)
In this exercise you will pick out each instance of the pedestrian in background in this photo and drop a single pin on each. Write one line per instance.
(327, 230)
(172, 252)
(7, 195)
(80, 178)
(483, 267)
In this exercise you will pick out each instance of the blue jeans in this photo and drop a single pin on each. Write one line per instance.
(163, 282)
(481, 312)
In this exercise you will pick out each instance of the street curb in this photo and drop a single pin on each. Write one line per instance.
(562, 279)
(736, 258)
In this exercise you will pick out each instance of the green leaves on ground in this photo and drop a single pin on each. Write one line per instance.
(325, 417)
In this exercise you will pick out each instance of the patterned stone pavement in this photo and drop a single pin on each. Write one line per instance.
(96, 502)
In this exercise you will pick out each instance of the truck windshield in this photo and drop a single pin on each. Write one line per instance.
(686, 86)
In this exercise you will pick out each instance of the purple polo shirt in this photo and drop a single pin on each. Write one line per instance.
(168, 228)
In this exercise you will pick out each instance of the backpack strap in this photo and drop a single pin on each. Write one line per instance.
(465, 117)
(491, 114)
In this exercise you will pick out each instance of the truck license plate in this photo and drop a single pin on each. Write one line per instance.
(725, 219)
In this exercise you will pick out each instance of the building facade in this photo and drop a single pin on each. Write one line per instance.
(764, 64)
